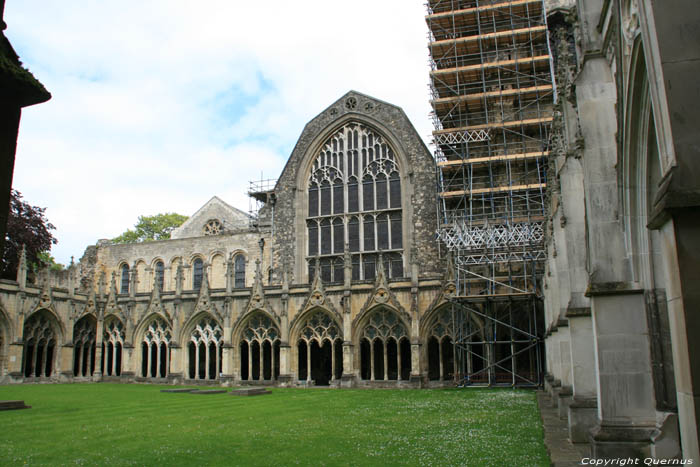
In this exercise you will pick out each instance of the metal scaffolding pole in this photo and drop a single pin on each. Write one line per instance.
(492, 94)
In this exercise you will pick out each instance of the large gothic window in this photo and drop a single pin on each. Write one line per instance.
(155, 349)
(205, 350)
(39, 345)
(112, 344)
(260, 349)
(354, 198)
(385, 351)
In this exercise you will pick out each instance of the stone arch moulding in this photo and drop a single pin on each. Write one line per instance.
(242, 323)
(57, 321)
(140, 329)
(296, 326)
(7, 324)
(191, 323)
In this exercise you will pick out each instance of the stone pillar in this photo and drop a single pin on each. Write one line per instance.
(285, 355)
(62, 361)
(14, 360)
(626, 404)
(582, 409)
(348, 377)
(229, 373)
(566, 392)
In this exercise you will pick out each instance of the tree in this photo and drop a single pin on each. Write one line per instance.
(26, 225)
(149, 228)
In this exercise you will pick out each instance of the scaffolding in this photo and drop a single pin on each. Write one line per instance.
(492, 92)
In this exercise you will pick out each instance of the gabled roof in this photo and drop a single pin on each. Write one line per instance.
(230, 217)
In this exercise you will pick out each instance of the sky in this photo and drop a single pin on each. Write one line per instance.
(158, 105)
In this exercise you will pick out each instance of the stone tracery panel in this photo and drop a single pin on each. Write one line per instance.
(155, 349)
(205, 349)
(260, 349)
(384, 347)
(84, 334)
(319, 349)
(39, 345)
(354, 198)
(112, 345)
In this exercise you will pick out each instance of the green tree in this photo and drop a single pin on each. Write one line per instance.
(149, 228)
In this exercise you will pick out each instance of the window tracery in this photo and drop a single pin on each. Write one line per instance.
(39, 345)
(319, 349)
(354, 199)
(385, 348)
(112, 344)
(84, 333)
(213, 227)
(206, 349)
(260, 349)
(155, 349)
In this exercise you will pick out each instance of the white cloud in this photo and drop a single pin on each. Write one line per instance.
(161, 104)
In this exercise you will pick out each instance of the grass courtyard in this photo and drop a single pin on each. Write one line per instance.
(115, 424)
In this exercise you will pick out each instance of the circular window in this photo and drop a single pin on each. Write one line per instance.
(213, 227)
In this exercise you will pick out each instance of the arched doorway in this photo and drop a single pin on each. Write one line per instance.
(385, 350)
(319, 349)
(260, 349)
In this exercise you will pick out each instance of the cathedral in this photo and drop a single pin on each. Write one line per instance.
(336, 281)
(549, 240)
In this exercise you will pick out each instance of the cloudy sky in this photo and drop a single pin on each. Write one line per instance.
(158, 105)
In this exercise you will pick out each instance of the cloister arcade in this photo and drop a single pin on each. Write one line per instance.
(112, 345)
(155, 349)
(259, 349)
(319, 349)
(385, 349)
(41, 339)
(205, 349)
(84, 333)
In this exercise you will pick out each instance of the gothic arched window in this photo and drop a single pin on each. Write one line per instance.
(198, 271)
(125, 279)
(160, 270)
(354, 199)
(239, 272)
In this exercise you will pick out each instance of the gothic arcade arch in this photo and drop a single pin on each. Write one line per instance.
(258, 341)
(205, 343)
(84, 338)
(41, 336)
(383, 339)
(156, 336)
(318, 340)
(113, 336)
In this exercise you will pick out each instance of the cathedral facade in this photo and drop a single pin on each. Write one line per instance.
(336, 281)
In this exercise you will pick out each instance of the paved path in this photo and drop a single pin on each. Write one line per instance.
(556, 436)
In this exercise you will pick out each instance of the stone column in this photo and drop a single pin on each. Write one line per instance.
(582, 409)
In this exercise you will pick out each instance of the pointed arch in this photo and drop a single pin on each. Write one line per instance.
(383, 339)
(113, 338)
(41, 343)
(300, 320)
(257, 340)
(84, 339)
(240, 325)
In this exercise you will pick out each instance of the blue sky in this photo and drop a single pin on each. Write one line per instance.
(159, 105)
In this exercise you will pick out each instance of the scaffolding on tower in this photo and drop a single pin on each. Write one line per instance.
(492, 94)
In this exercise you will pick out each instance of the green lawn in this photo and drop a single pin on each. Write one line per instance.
(115, 424)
